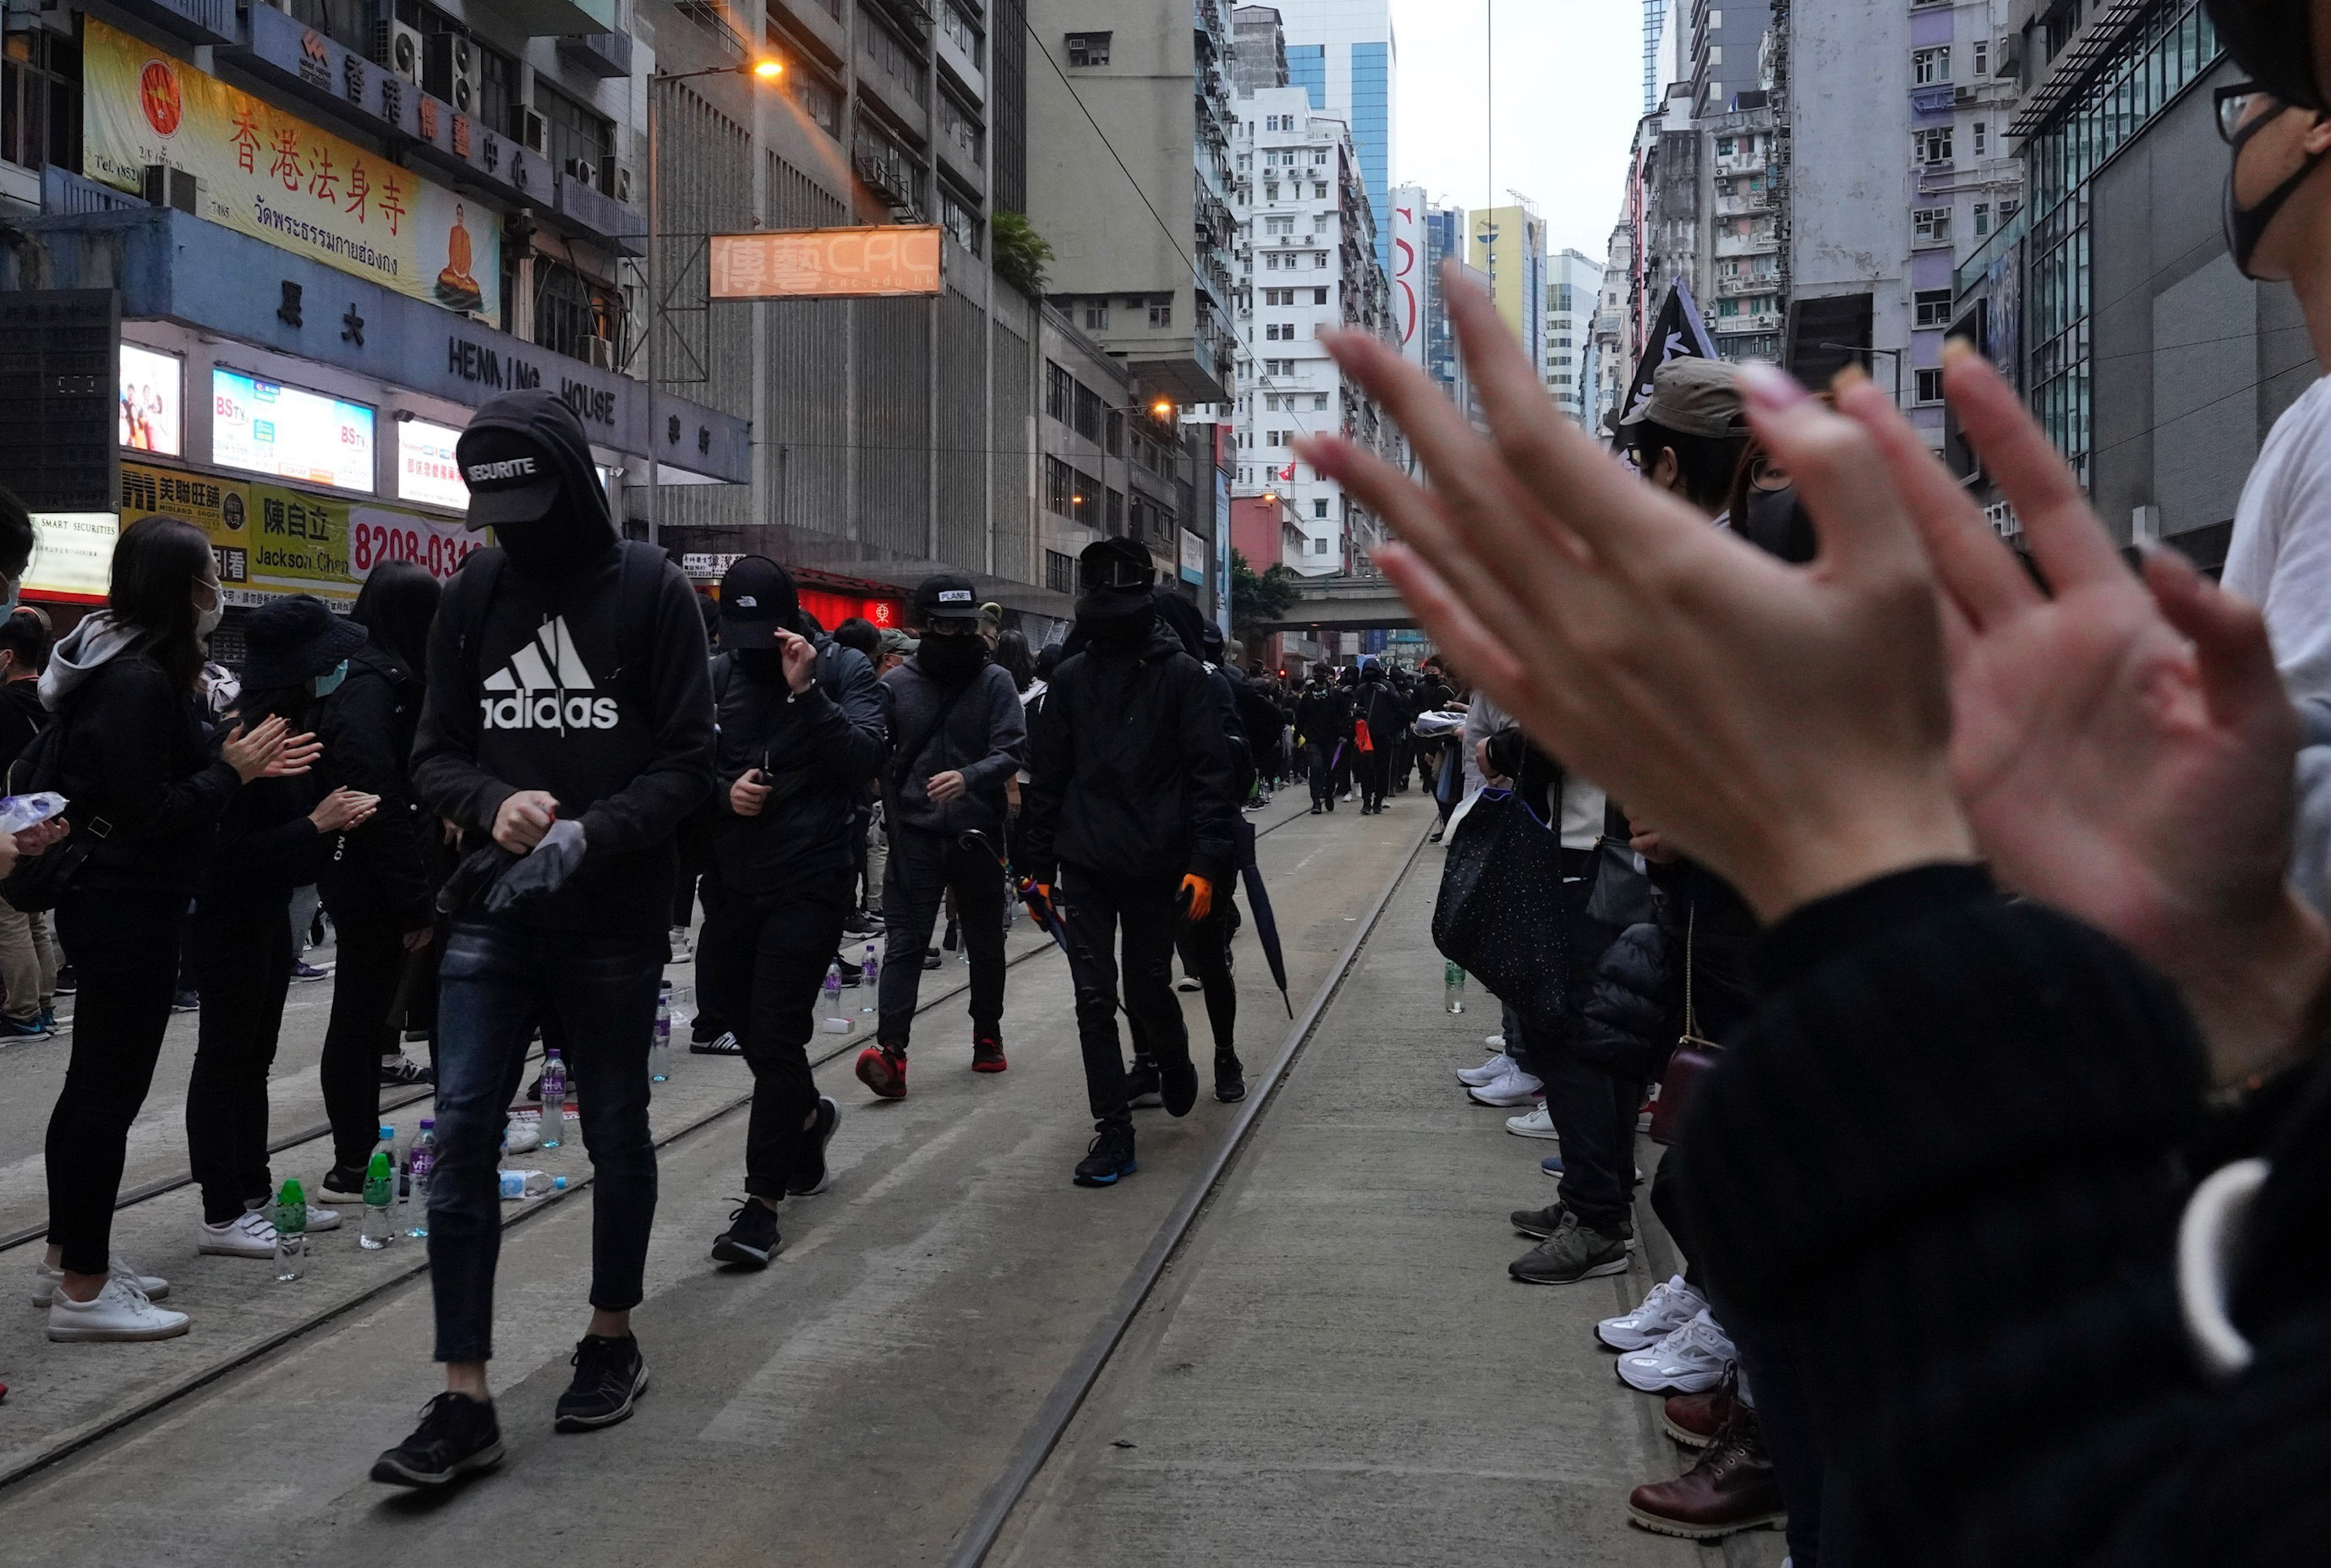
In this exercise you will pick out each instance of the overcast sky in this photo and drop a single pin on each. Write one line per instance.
(1569, 88)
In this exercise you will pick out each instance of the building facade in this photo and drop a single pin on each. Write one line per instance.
(1508, 246)
(1343, 54)
(1574, 296)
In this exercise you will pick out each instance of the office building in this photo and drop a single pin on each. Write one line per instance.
(1342, 53)
(1508, 246)
(1573, 297)
(1725, 51)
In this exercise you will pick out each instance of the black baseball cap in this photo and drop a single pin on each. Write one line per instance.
(512, 475)
(757, 601)
(1114, 563)
(943, 597)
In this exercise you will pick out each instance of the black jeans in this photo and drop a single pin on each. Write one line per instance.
(716, 1011)
(1323, 785)
(1205, 951)
(924, 867)
(243, 965)
(125, 953)
(1375, 775)
(1095, 908)
(773, 949)
(1593, 1113)
(365, 981)
(595, 998)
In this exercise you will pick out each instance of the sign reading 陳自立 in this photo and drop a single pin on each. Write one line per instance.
(275, 178)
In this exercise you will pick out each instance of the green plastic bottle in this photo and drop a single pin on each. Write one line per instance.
(379, 1192)
(291, 1229)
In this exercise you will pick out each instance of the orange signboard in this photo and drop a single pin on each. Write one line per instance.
(826, 263)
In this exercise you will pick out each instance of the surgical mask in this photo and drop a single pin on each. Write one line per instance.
(330, 681)
(2273, 41)
(15, 587)
(207, 621)
(2246, 226)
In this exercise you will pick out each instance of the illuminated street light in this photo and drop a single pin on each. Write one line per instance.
(769, 70)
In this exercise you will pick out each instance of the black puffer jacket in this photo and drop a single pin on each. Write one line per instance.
(1130, 772)
(379, 871)
(1625, 1015)
(819, 749)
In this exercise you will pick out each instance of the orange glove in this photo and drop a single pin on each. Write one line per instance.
(1037, 896)
(1200, 892)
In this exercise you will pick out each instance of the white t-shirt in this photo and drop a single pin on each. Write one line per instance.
(1582, 803)
(2280, 556)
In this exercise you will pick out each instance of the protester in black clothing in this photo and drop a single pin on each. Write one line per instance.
(149, 787)
(1131, 800)
(1385, 713)
(1345, 772)
(566, 732)
(1323, 717)
(271, 840)
(379, 876)
(28, 957)
(961, 736)
(802, 731)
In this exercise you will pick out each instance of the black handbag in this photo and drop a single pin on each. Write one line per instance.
(1500, 913)
(1623, 895)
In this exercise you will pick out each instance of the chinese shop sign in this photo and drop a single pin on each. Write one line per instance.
(277, 178)
(826, 263)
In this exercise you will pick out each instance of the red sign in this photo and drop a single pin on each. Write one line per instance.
(832, 610)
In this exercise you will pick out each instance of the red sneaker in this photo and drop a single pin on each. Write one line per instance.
(987, 1053)
(883, 1069)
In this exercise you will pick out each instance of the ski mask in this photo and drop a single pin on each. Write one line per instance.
(948, 657)
(1115, 611)
(2246, 226)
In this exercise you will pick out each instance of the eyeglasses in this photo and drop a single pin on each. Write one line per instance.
(2234, 104)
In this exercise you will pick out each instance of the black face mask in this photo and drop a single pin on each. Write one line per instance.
(2246, 226)
(2273, 41)
(765, 665)
(543, 547)
(1117, 617)
(950, 659)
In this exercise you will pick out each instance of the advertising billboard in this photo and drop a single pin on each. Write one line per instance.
(426, 470)
(265, 427)
(1408, 268)
(153, 401)
(72, 556)
(826, 263)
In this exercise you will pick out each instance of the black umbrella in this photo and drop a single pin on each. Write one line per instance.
(1266, 924)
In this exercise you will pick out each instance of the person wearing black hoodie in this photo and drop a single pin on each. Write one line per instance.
(1323, 716)
(801, 732)
(566, 731)
(272, 838)
(963, 737)
(1130, 799)
(1385, 713)
(28, 954)
(378, 878)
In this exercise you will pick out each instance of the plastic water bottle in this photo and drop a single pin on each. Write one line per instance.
(290, 1231)
(554, 1099)
(1452, 985)
(419, 1162)
(660, 1046)
(379, 1192)
(872, 984)
(836, 1021)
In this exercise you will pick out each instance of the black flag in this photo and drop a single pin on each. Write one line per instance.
(1677, 333)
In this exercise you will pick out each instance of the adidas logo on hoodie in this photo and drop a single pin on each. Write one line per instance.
(546, 687)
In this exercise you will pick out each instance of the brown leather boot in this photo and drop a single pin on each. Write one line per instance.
(1697, 1419)
(1730, 1488)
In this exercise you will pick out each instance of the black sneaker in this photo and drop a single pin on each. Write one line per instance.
(401, 1071)
(1230, 1078)
(609, 1376)
(457, 1435)
(1542, 1224)
(186, 1001)
(930, 958)
(1108, 1157)
(1177, 1087)
(1141, 1086)
(722, 1044)
(751, 1238)
(1573, 1252)
(67, 982)
(809, 1178)
(342, 1186)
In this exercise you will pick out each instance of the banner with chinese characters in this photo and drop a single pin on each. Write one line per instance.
(275, 178)
(271, 539)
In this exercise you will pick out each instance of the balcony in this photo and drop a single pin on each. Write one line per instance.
(1744, 204)
(605, 55)
(1936, 97)
(1753, 245)
(1742, 287)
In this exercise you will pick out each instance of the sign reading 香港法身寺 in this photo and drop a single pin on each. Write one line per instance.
(826, 263)
(277, 178)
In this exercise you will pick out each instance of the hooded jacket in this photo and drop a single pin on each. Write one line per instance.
(1129, 776)
(1323, 716)
(819, 749)
(382, 871)
(1386, 710)
(985, 739)
(266, 845)
(546, 674)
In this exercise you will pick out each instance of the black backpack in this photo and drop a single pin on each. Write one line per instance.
(39, 882)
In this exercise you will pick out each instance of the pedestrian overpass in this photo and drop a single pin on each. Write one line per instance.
(1342, 604)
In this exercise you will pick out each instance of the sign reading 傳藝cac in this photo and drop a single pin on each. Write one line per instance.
(275, 178)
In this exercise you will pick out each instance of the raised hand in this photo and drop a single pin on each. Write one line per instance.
(2122, 745)
(252, 754)
(1787, 726)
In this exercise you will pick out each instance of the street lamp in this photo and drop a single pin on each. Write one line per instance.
(768, 68)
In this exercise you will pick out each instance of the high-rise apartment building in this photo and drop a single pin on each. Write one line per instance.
(1573, 293)
(1342, 53)
(1655, 27)
(1508, 246)
(1725, 51)
(1308, 264)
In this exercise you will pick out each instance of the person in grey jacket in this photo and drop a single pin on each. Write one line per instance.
(961, 735)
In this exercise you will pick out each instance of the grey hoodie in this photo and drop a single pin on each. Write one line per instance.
(85, 649)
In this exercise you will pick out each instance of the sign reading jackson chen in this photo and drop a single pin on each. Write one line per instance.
(277, 178)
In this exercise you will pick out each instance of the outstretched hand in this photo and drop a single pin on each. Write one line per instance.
(2122, 745)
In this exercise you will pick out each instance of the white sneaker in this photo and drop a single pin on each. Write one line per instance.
(321, 1217)
(118, 1312)
(1537, 1123)
(1511, 1088)
(1670, 1305)
(1489, 1072)
(1691, 1360)
(524, 1132)
(46, 1279)
(1496, 1042)
(249, 1234)
(680, 950)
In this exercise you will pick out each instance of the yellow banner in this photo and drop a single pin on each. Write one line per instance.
(271, 539)
(271, 176)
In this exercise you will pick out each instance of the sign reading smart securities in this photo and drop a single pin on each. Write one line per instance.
(826, 263)
(277, 178)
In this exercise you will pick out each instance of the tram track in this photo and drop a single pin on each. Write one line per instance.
(159, 1397)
